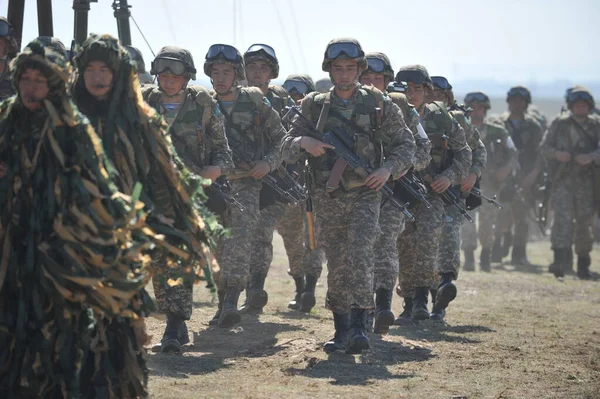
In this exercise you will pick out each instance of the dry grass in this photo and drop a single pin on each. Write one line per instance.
(509, 334)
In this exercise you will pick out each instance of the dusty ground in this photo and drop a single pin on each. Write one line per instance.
(510, 334)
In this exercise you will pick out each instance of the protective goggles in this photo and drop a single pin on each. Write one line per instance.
(5, 29)
(256, 48)
(579, 95)
(518, 92)
(350, 49)
(476, 97)
(376, 65)
(415, 77)
(223, 50)
(295, 85)
(161, 65)
(440, 82)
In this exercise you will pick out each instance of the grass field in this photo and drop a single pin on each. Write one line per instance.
(512, 333)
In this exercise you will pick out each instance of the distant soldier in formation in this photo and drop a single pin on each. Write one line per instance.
(143, 75)
(8, 50)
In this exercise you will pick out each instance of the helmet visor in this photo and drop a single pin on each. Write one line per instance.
(337, 49)
(440, 82)
(161, 65)
(415, 77)
(256, 48)
(295, 85)
(4, 28)
(475, 97)
(376, 65)
(579, 95)
(222, 50)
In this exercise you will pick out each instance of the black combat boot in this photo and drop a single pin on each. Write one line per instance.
(229, 312)
(519, 255)
(295, 303)
(308, 300)
(170, 341)
(384, 317)
(445, 294)
(215, 320)
(357, 338)
(558, 266)
(406, 316)
(506, 243)
(485, 260)
(256, 296)
(469, 264)
(341, 321)
(419, 308)
(497, 251)
(583, 266)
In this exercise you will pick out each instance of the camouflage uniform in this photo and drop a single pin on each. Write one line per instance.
(6, 85)
(573, 186)
(196, 128)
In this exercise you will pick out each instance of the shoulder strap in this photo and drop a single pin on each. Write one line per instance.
(324, 112)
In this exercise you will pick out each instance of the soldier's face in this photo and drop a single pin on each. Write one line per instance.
(33, 88)
(344, 72)
(478, 111)
(223, 76)
(440, 95)
(580, 108)
(171, 84)
(517, 105)
(258, 73)
(415, 94)
(374, 79)
(98, 79)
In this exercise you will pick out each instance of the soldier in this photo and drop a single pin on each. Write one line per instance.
(526, 133)
(143, 75)
(501, 161)
(262, 66)
(347, 204)
(54, 43)
(8, 50)
(379, 73)
(306, 265)
(448, 261)
(418, 243)
(196, 128)
(571, 146)
(254, 132)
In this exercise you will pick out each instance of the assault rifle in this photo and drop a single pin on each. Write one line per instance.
(451, 198)
(221, 189)
(339, 139)
(477, 193)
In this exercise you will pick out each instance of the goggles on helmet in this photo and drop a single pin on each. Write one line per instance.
(415, 77)
(476, 97)
(256, 48)
(440, 82)
(579, 95)
(350, 49)
(223, 50)
(376, 65)
(5, 29)
(161, 65)
(295, 85)
(518, 92)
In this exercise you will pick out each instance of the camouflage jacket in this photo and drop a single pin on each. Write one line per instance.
(501, 151)
(390, 137)
(279, 98)
(253, 127)
(566, 134)
(473, 137)
(198, 129)
(526, 135)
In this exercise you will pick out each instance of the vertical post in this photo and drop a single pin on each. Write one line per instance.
(122, 15)
(16, 11)
(44, 10)
(80, 29)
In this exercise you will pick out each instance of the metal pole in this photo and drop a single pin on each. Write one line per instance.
(80, 30)
(16, 11)
(122, 15)
(44, 9)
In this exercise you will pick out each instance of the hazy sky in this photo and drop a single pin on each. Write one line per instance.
(505, 40)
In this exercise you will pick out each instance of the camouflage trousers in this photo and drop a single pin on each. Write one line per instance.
(173, 299)
(448, 256)
(262, 239)
(573, 205)
(387, 263)
(233, 252)
(349, 228)
(418, 247)
(488, 220)
(520, 210)
(293, 229)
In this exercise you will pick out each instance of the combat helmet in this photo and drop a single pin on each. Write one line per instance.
(441, 83)
(323, 85)
(344, 47)
(54, 43)
(225, 54)
(477, 97)
(580, 93)
(176, 59)
(136, 55)
(263, 52)
(378, 63)
(519, 91)
(7, 32)
(302, 84)
(416, 74)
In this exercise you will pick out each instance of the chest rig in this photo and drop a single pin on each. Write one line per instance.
(438, 125)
